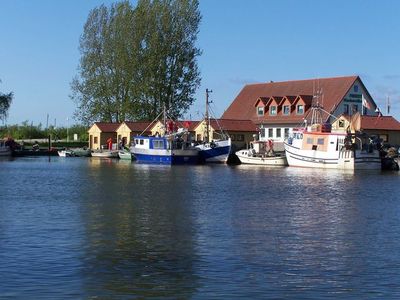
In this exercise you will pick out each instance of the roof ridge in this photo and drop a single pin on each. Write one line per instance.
(309, 79)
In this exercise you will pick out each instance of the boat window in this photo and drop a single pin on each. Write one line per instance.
(310, 140)
(320, 141)
(158, 144)
(141, 142)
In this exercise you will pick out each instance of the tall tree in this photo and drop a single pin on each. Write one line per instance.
(5, 103)
(136, 60)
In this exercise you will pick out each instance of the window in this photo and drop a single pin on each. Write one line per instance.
(320, 141)
(233, 137)
(341, 123)
(286, 110)
(286, 132)
(240, 137)
(95, 140)
(262, 132)
(272, 110)
(278, 132)
(158, 144)
(354, 108)
(310, 140)
(300, 109)
(346, 109)
(356, 89)
(270, 132)
(198, 137)
(260, 110)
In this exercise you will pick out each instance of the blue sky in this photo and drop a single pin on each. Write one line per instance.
(242, 42)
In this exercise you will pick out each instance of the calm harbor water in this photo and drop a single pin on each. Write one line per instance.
(77, 228)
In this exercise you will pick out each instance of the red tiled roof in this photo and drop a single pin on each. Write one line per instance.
(139, 126)
(234, 125)
(334, 90)
(382, 122)
(107, 127)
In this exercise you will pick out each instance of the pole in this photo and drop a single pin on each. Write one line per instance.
(67, 129)
(207, 118)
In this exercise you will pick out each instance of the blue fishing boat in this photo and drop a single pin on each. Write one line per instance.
(172, 149)
(216, 150)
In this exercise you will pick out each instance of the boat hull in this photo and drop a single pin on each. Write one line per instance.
(164, 156)
(5, 151)
(345, 159)
(245, 158)
(65, 153)
(216, 152)
(105, 154)
(125, 155)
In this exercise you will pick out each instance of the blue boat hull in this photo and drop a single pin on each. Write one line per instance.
(167, 159)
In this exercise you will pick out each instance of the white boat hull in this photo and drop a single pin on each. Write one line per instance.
(105, 154)
(65, 153)
(246, 157)
(125, 155)
(344, 159)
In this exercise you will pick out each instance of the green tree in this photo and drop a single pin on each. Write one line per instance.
(5, 103)
(136, 60)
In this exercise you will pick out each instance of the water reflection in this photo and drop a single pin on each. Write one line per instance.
(140, 235)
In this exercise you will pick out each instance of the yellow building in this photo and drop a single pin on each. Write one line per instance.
(386, 128)
(100, 132)
(127, 130)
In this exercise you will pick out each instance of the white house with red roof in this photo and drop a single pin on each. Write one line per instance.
(278, 107)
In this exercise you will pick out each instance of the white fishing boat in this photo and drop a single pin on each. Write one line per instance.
(316, 146)
(216, 150)
(105, 153)
(5, 150)
(261, 153)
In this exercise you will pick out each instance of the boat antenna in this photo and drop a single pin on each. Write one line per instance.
(207, 118)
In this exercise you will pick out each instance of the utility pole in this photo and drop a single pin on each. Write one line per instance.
(67, 129)
(207, 118)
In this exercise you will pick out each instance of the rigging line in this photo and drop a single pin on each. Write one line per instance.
(156, 119)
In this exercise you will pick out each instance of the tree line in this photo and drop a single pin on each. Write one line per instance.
(26, 130)
(136, 60)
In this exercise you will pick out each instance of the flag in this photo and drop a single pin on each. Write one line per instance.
(365, 103)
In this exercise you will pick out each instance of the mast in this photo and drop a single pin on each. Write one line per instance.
(207, 118)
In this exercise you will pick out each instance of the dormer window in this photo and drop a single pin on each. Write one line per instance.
(260, 110)
(286, 110)
(300, 109)
(272, 110)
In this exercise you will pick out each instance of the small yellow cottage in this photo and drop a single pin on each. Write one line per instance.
(100, 132)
